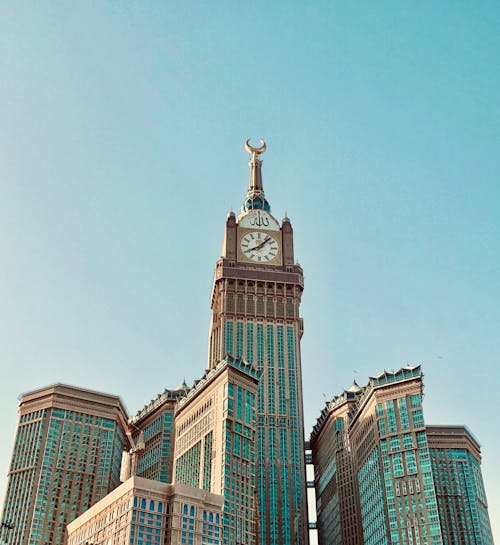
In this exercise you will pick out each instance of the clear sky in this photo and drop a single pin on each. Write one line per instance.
(121, 150)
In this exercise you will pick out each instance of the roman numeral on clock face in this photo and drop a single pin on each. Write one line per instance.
(259, 246)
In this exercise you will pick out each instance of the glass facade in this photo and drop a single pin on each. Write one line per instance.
(400, 458)
(218, 438)
(417, 484)
(255, 316)
(63, 462)
(337, 495)
(239, 466)
(371, 494)
(152, 431)
(280, 435)
(156, 459)
(463, 509)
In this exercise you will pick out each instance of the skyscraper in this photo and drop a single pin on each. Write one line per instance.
(255, 316)
(67, 455)
(456, 466)
(337, 498)
(152, 436)
(387, 444)
(215, 444)
(416, 484)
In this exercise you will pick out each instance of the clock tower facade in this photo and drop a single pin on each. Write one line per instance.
(255, 316)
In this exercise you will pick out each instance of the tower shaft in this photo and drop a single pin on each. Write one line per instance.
(255, 303)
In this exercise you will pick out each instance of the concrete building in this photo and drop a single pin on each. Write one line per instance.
(146, 512)
(255, 316)
(456, 466)
(215, 443)
(67, 455)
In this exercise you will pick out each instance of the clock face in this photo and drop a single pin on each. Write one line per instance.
(259, 246)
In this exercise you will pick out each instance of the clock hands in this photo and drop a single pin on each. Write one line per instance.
(263, 243)
(258, 246)
(261, 247)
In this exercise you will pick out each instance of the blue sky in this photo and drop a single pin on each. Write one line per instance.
(121, 151)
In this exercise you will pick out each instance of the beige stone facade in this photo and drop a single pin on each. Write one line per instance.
(215, 443)
(146, 512)
(337, 497)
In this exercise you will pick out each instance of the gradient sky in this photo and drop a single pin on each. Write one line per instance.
(121, 151)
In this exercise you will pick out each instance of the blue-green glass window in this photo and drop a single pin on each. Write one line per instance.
(239, 403)
(249, 401)
(260, 345)
(281, 347)
(421, 439)
(229, 337)
(290, 346)
(415, 401)
(391, 416)
(270, 390)
(373, 511)
(407, 440)
(403, 413)
(381, 426)
(395, 443)
(282, 391)
(397, 463)
(270, 345)
(418, 418)
(239, 339)
(411, 462)
(250, 343)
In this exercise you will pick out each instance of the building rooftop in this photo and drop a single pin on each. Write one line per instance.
(159, 400)
(228, 361)
(360, 394)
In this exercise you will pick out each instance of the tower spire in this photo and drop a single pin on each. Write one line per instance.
(255, 198)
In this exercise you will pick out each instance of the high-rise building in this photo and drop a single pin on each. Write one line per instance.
(215, 444)
(146, 512)
(415, 484)
(337, 499)
(392, 463)
(456, 466)
(233, 444)
(387, 444)
(67, 455)
(255, 316)
(151, 431)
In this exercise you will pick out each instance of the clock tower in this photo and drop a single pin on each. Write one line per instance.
(255, 316)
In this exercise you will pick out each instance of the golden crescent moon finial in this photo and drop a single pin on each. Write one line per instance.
(255, 151)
